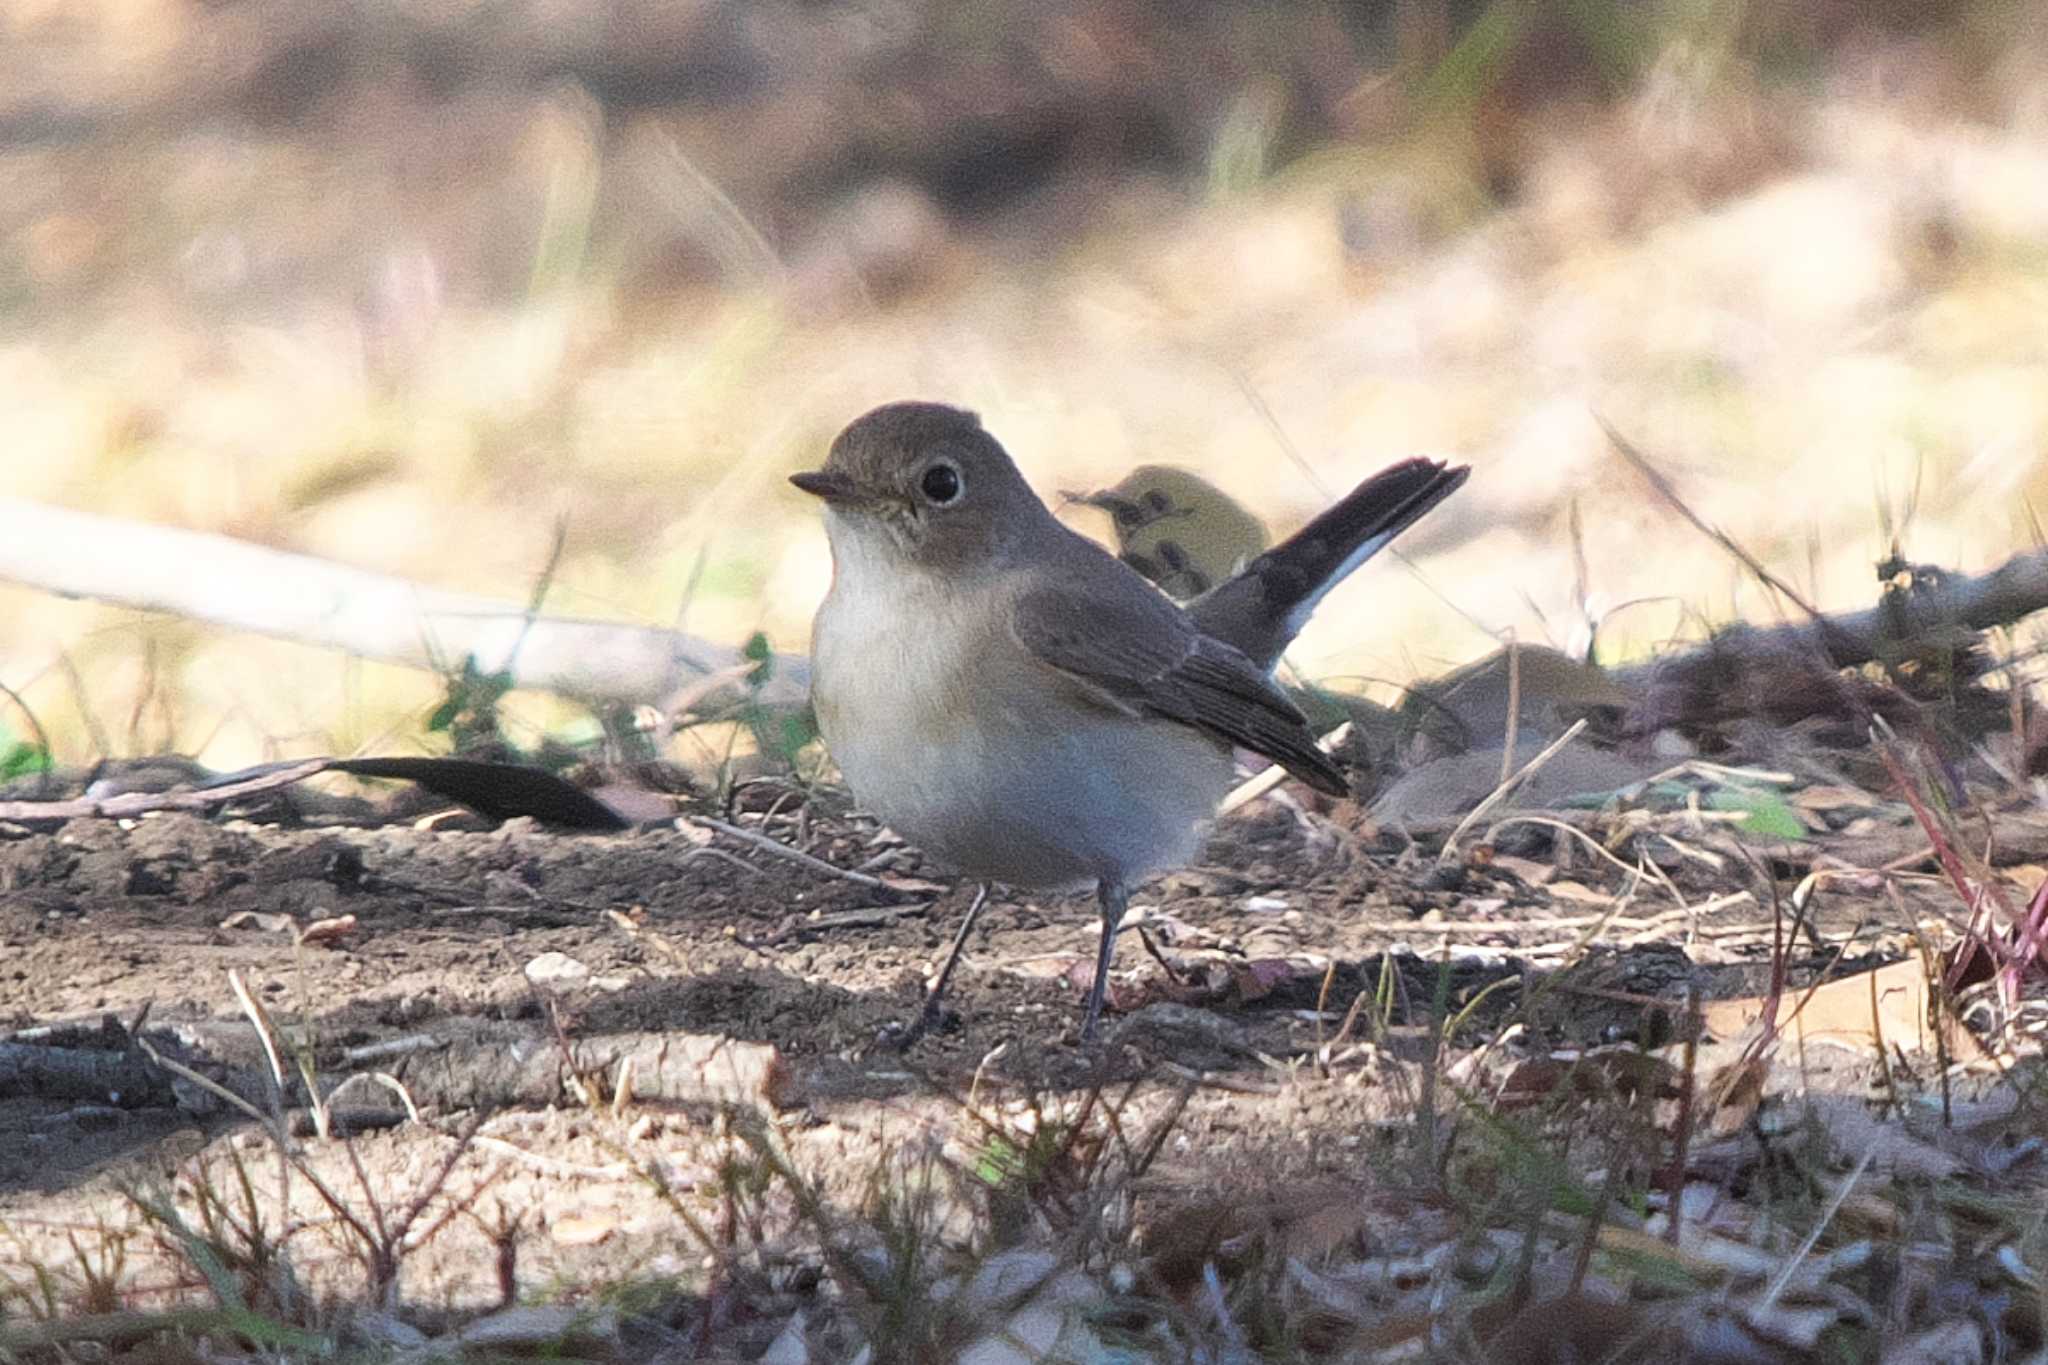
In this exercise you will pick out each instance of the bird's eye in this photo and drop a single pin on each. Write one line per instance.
(941, 484)
(1158, 501)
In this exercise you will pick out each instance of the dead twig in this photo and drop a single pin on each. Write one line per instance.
(795, 855)
(1502, 792)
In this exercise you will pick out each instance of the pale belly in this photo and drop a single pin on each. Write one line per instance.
(994, 768)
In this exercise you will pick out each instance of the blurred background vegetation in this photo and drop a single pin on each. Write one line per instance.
(412, 286)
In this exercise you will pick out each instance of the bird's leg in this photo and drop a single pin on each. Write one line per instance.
(903, 1035)
(930, 1013)
(1113, 898)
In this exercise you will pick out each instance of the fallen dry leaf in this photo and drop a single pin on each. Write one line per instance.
(1824, 797)
(1527, 870)
(330, 930)
(2027, 876)
(1732, 1095)
(1886, 1007)
(582, 1229)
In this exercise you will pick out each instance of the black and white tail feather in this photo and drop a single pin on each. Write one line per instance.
(1264, 606)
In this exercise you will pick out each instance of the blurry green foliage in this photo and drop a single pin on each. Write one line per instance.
(1765, 812)
(19, 758)
(468, 713)
(780, 731)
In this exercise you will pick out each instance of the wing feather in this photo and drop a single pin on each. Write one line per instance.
(1142, 654)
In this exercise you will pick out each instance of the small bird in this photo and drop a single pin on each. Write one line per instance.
(1024, 707)
(1178, 529)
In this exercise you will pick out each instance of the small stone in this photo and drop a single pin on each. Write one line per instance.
(581, 1229)
(555, 969)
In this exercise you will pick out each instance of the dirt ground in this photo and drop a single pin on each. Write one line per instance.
(683, 931)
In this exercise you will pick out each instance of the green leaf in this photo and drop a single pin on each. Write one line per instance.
(999, 1162)
(1766, 812)
(23, 759)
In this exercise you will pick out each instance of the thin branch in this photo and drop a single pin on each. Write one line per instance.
(233, 583)
(795, 855)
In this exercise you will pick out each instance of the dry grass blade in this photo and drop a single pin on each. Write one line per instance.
(1506, 789)
(1669, 493)
(2013, 947)
(1257, 785)
(1634, 873)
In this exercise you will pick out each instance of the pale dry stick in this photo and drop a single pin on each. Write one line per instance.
(795, 855)
(1721, 772)
(1221, 1080)
(242, 586)
(1761, 936)
(1537, 952)
(1256, 786)
(1906, 860)
(404, 1046)
(385, 1079)
(1496, 954)
(316, 1105)
(1410, 927)
(1653, 873)
(1577, 945)
(1820, 1225)
(1629, 922)
(1769, 776)
(981, 1070)
(622, 1088)
(206, 1083)
(1689, 915)
(1501, 792)
(1814, 880)
(260, 1021)
(1665, 918)
(883, 859)
(717, 853)
(1698, 855)
(142, 803)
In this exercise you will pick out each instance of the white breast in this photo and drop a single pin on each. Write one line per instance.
(979, 754)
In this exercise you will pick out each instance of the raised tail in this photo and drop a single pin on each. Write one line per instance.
(1264, 607)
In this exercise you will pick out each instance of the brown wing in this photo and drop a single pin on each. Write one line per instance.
(1140, 652)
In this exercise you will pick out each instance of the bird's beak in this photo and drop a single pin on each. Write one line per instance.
(827, 484)
(1121, 508)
